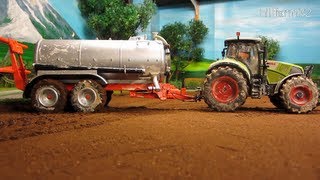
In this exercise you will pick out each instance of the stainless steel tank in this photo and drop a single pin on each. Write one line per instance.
(144, 57)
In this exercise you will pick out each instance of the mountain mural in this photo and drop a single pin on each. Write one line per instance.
(32, 20)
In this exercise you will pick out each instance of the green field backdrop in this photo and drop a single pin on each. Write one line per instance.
(27, 55)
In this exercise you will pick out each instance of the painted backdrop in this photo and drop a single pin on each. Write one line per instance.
(296, 24)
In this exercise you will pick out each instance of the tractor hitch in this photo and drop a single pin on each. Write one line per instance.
(167, 91)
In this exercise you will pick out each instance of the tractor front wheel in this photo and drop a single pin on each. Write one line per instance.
(225, 89)
(276, 101)
(299, 95)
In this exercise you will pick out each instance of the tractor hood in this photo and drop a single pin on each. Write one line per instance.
(279, 70)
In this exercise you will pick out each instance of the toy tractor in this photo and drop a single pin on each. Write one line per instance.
(244, 72)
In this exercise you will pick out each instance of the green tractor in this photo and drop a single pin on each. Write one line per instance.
(245, 72)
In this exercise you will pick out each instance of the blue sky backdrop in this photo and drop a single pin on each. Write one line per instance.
(69, 10)
(295, 24)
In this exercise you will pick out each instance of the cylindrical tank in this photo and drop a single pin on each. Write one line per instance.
(148, 56)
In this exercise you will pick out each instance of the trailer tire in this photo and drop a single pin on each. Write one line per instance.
(225, 89)
(49, 96)
(276, 101)
(88, 96)
(109, 97)
(299, 95)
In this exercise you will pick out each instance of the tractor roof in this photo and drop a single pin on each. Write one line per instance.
(242, 39)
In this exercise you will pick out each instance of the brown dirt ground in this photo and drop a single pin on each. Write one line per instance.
(153, 139)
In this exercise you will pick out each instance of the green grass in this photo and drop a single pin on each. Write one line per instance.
(3, 50)
(27, 56)
(14, 101)
(198, 66)
(316, 70)
(176, 83)
(7, 89)
(120, 93)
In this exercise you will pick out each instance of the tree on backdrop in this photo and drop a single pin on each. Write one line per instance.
(273, 46)
(184, 42)
(197, 32)
(115, 19)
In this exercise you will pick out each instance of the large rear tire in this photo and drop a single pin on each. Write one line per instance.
(225, 89)
(49, 96)
(299, 95)
(88, 96)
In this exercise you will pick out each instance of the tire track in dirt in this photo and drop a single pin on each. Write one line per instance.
(150, 139)
(17, 120)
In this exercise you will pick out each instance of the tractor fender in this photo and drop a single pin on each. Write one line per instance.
(279, 84)
(74, 77)
(243, 68)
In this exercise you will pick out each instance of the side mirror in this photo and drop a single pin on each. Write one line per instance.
(265, 51)
(223, 52)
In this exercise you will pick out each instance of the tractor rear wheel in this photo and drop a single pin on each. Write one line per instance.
(276, 101)
(49, 95)
(88, 96)
(299, 95)
(225, 89)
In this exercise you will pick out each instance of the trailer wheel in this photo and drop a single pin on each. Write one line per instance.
(109, 97)
(225, 89)
(88, 96)
(299, 95)
(49, 95)
(276, 101)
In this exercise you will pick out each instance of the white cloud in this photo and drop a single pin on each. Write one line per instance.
(311, 24)
(221, 33)
(252, 22)
(283, 36)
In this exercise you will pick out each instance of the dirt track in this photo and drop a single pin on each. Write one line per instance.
(142, 138)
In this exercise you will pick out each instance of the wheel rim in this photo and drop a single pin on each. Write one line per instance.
(48, 96)
(300, 95)
(87, 96)
(225, 89)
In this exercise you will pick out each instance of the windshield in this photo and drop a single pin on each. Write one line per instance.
(246, 53)
(242, 51)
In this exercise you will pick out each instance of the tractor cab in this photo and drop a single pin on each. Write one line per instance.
(253, 53)
(249, 51)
